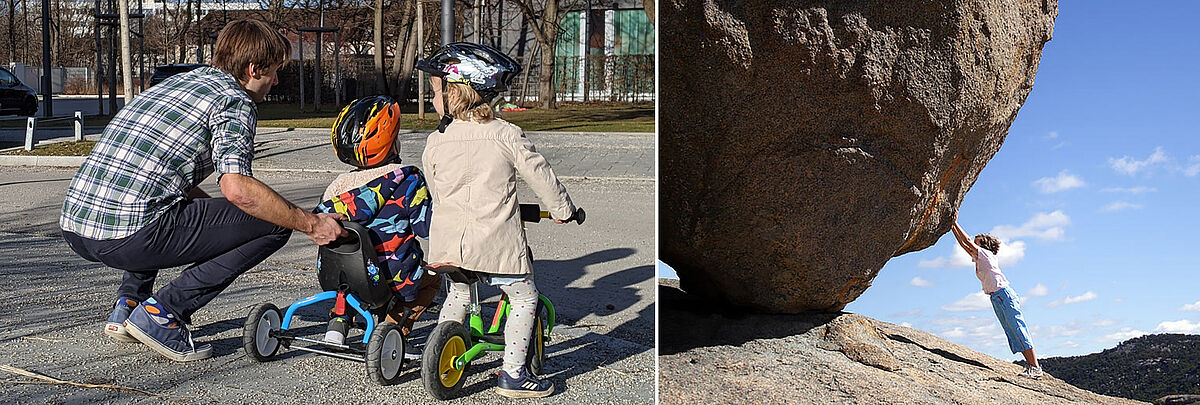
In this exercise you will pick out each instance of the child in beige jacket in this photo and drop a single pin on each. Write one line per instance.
(471, 167)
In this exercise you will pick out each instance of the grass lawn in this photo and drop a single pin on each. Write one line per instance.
(88, 121)
(569, 117)
(81, 148)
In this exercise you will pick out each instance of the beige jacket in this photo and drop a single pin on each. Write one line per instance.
(471, 171)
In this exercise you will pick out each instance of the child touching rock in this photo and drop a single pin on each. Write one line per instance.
(983, 251)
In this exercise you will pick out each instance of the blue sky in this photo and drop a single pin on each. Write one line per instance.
(1094, 194)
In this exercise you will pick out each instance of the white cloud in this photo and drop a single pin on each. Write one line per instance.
(971, 321)
(1064, 181)
(1068, 344)
(906, 314)
(1052, 135)
(1123, 335)
(906, 324)
(1193, 166)
(1087, 296)
(1063, 331)
(1038, 290)
(1180, 326)
(1104, 322)
(920, 282)
(1044, 226)
(1191, 307)
(976, 301)
(1130, 190)
(1121, 205)
(1131, 166)
(1010, 254)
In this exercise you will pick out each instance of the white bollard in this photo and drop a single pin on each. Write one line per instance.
(29, 133)
(78, 126)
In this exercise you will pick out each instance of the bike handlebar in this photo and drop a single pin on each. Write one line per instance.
(534, 213)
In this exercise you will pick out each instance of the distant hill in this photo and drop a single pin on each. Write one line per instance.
(1143, 368)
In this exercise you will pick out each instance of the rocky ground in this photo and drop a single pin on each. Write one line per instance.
(714, 355)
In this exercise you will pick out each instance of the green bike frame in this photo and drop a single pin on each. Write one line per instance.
(476, 326)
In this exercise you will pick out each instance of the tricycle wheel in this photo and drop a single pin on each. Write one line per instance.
(385, 354)
(536, 354)
(256, 334)
(445, 345)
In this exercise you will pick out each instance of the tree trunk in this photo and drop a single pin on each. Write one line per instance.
(401, 65)
(12, 41)
(546, 96)
(187, 23)
(548, 40)
(126, 59)
(380, 74)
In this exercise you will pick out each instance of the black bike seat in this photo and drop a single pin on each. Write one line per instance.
(457, 274)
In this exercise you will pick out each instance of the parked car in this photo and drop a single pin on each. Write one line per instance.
(163, 72)
(16, 97)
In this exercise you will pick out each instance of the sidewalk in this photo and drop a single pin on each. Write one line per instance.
(57, 303)
(606, 156)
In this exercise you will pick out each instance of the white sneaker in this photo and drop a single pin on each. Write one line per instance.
(335, 337)
(1032, 372)
(335, 332)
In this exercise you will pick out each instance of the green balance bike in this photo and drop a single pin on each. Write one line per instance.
(452, 346)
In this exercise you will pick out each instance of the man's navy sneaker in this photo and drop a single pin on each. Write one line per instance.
(115, 327)
(151, 324)
(525, 385)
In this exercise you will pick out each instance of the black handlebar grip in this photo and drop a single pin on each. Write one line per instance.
(579, 216)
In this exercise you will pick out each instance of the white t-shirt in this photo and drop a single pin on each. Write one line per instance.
(988, 270)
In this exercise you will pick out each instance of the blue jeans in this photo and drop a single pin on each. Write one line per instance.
(1004, 301)
(217, 239)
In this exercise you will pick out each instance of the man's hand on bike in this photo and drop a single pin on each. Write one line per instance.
(326, 229)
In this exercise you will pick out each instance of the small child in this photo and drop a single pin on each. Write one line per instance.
(473, 162)
(983, 252)
(388, 199)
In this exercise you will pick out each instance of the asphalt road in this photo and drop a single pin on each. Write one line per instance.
(599, 275)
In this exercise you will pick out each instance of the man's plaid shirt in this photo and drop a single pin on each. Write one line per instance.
(157, 149)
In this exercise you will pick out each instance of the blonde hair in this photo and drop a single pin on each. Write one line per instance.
(243, 42)
(459, 99)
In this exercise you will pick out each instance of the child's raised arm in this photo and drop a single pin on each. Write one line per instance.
(961, 236)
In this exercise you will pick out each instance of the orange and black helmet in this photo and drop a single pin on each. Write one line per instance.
(364, 134)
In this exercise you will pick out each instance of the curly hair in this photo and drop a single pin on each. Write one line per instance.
(988, 242)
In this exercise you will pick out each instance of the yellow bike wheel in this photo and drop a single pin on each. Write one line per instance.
(446, 344)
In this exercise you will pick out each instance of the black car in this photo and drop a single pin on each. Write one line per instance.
(163, 72)
(15, 97)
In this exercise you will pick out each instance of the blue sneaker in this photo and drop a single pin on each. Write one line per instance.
(524, 385)
(151, 324)
(115, 327)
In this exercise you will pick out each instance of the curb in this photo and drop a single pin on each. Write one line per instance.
(48, 161)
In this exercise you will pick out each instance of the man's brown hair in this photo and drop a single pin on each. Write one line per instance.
(243, 42)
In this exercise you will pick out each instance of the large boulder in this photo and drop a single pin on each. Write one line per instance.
(805, 143)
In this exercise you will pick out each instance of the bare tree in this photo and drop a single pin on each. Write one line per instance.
(545, 26)
(377, 41)
(406, 49)
(12, 39)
